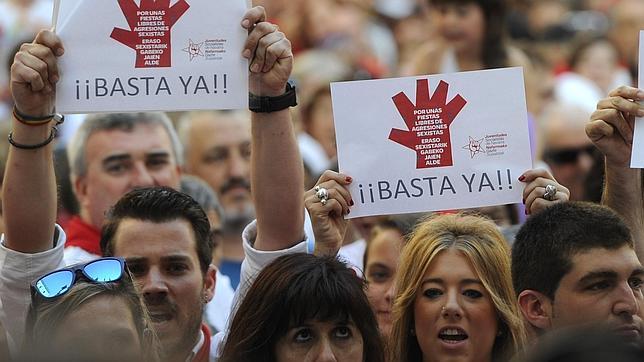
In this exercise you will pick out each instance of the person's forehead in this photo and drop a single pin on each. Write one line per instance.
(154, 240)
(622, 261)
(141, 140)
(220, 129)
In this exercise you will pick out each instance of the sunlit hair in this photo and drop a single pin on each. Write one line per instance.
(483, 245)
(46, 315)
(293, 290)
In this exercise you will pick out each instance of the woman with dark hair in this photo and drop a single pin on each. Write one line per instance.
(301, 307)
(470, 36)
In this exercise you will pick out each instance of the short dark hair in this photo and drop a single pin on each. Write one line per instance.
(159, 204)
(546, 243)
(292, 290)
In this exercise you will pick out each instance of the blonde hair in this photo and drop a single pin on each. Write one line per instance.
(481, 242)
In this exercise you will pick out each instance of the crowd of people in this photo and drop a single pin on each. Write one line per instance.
(222, 235)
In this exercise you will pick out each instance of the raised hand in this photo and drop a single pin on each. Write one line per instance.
(534, 195)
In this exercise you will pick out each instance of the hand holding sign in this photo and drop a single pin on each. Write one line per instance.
(611, 125)
(34, 74)
(270, 54)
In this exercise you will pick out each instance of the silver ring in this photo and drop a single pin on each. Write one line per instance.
(324, 201)
(316, 188)
(322, 194)
(551, 192)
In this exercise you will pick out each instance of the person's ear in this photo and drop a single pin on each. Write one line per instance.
(209, 282)
(79, 185)
(536, 309)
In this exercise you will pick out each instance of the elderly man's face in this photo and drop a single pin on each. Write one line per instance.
(120, 161)
(219, 153)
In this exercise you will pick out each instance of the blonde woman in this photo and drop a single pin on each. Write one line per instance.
(455, 299)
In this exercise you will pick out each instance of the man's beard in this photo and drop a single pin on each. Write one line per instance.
(236, 217)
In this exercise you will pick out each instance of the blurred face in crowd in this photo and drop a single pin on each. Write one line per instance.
(627, 19)
(462, 25)
(383, 256)
(603, 286)
(320, 126)
(454, 317)
(599, 63)
(166, 268)
(118, 162)
(568, 152)
(365, 225)
(316, 340)
(84, 336)
(219, 153)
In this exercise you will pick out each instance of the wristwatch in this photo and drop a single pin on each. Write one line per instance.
(265, 104)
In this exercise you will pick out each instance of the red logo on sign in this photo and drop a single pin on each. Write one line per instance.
(149, 34)
(428, 124)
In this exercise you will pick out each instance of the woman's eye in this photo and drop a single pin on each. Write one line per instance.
(343, 332)
(471, 293)
(303, 336)
(433, 293)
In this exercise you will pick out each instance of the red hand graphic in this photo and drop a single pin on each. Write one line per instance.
(428, 124)
(149, 34)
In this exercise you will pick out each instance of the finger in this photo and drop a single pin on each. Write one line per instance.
(280, 49)
(50, 40)
(253, 42)
(596, 130)
(46, 55)
(253, 16)
(616, 120)
(531, 175)
(21, 73)
(261, 52)
(33, 62)
(627, 92)
(340, 178)
(541, 204)
(541, 182)
(537, 194)
(621, 104)
(334, 194)
(341, 189)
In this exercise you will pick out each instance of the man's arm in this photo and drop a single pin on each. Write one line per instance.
(611, 130)
(277, 175)
(29, 189)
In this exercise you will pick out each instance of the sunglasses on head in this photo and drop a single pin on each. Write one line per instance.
(568, 155)
(59, 282)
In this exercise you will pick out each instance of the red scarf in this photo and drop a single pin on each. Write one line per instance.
(83, 235)
(203, 355)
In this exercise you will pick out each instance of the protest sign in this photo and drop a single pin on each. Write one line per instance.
(432, 143)
(149, 55)
(637, 156)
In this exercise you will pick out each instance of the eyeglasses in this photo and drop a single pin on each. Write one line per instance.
(568, 155)
(59, 282)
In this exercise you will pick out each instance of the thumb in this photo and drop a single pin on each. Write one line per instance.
(596, 130)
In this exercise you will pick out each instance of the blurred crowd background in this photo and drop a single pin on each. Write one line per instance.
(573, 53)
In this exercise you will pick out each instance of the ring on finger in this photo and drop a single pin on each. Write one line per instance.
(551, 192)
(324, 201)
(322, 194)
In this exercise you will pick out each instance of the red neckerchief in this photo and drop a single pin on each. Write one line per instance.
(203, 355)
(83, 235)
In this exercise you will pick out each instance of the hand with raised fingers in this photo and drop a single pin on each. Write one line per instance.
(327, 203)
(611, 125)
(541, 191)
(269, 53)
(34, 74)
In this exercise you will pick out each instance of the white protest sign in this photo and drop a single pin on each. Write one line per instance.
(431, 143)
(151, 55)
(637, 157)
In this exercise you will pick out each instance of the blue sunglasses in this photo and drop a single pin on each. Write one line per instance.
(59, 282)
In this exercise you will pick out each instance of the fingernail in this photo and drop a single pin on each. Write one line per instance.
(254, 68)
(522, 178)
(246, 53)
(640, 95)
(60, 51)
(523, 201)
(54, 78)
(245, 23)
(526, 211)
(348, 179)
(348, 212)
(351, 202)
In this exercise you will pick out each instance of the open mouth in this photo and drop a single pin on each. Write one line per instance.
(452, 335)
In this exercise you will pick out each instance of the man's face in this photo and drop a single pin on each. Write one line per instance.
(118, 162)
(219, 153)
(163, 260)
(569, 155)
(603, 286)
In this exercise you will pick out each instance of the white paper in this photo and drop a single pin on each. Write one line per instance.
(637, 157)
(188, 55)
(488, 141)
